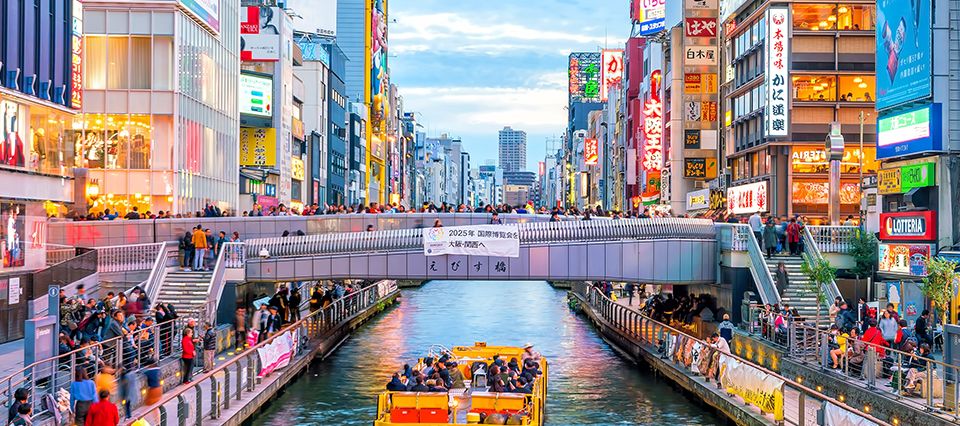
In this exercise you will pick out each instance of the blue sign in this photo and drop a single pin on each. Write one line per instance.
(904, 62)
(910, 132)
(652, 27)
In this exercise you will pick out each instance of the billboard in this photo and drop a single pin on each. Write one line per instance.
(698, 200)
(913, 131)
(749, 198)
(909, 226)
(650, 15)
(260, 34)
(591, 151)
(258, 146)
(776, 117)
(701, 55)
(700, 27)
(611, 72)
(904, 61)
(379, 80)
(207, 11)
(76, 57)
(904, 259)
(256, 95)
(700, 168)
(12, 238)
(584, 77)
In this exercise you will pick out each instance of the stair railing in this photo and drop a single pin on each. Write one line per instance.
(231, 255)
(151, 286)
(811, 250)
(743, 239)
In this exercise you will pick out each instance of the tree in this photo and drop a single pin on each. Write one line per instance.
(863, 248)
(820, 274)
(938, 284)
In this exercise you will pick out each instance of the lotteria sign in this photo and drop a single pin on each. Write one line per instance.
(910, 132)
(908, 226)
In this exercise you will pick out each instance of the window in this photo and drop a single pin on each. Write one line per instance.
(815, 88)
(829, 16)
(163, 63)
(857, 88)
(115, 141)
(117, 62)
(140, 62)
(95, 62)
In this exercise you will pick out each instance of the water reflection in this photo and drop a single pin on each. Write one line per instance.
(588, 384)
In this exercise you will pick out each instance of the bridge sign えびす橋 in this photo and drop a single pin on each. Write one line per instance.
(476, 240)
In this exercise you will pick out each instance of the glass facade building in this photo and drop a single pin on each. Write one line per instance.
(159, 123)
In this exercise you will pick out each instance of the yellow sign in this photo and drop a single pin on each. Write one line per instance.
(258, 146)
(297, 129)
(888, 181)
(297, 169)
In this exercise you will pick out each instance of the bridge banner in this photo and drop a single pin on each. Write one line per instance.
(836, 416)
(277, 354)
(754, 386)
(476, 240)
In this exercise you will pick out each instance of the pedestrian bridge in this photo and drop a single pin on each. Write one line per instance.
(667, 251)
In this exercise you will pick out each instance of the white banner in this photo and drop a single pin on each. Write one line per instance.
(277, 354)
(754, 386)
(476, 240)
(836, 416)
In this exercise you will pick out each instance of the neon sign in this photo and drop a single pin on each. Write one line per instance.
(591, 152)
(76, 61)
(612, 70)
(653, 127)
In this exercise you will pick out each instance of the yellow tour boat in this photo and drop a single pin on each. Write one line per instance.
(474, 402)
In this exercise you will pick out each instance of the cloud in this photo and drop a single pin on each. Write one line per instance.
(486, 109)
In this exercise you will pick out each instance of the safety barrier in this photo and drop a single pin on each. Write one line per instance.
(131, 351)
(833, 239)
(530, 233)
(134, 257)
(231, 256)
(230, 380)
(739, 237)
(644, 330)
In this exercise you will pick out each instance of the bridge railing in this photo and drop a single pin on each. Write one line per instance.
(242, 374)
(833, 239)
(134, 257)
(739, 237)
(530, 233)
(643, 330)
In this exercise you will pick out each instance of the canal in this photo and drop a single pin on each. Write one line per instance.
(589, 383)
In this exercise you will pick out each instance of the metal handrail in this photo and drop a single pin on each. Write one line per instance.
(530, 233)
(317, 324)
(869, 373)
(743, 239)
(812, 249)
(833, 239)
(112, 348)
(122, 258)
(218, 280)
(159, 271)
(641, 327)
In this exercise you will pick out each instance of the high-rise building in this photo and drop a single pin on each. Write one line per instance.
(337, 145)
(160, 120)
(513, 150)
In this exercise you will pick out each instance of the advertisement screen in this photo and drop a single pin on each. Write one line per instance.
(906, 259)
(207, 11)
(260, 34)
(904, 63)
(12, 242)
(256, 95)
(909, 132)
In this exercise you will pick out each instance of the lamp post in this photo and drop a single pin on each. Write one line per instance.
(863, 207)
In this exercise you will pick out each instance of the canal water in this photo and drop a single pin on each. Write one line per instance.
(589, 384)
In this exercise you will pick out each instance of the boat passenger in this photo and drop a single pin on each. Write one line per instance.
(395, 384)
(522, 386)
(496, 383)
(419, 387)
(441, 370)
(529, 353)
(433, 385)
(456, 376)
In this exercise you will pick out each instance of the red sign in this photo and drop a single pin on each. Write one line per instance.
(700, 27)
(76, 60)
(908, 226)
(591, 152)
(653, 127)
(612, 71)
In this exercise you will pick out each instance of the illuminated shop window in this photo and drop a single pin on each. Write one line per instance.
(857, 88)
(815, 88)
(828, 16)
(115, 141)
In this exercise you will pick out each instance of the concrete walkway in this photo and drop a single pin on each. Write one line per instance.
(11, 357)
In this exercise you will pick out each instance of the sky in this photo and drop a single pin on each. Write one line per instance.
(469, 68)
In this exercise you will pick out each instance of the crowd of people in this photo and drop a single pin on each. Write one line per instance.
(902, 352)
(443, 374)
(200, 247)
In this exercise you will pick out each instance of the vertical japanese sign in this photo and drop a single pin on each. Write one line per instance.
(258, 147)
(777, 120)
(653, 127)
(611, 71)
(591, 151)
(76, 57)
(585, 75)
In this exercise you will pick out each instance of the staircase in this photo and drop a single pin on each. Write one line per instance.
(799, 293)
(186, 290)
